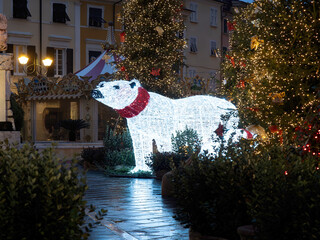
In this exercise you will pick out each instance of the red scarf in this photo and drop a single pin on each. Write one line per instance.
(137, 106)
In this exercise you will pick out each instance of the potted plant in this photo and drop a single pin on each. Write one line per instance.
(73, 125)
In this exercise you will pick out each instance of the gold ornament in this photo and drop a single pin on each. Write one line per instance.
(159, 30)
(277, 97)
(255, 42)
(257, 129)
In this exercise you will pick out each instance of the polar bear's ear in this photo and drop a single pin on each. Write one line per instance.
(134, 83)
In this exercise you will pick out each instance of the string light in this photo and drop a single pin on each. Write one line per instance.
(287, 61)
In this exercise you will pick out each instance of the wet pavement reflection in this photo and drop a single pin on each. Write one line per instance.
(136, 209)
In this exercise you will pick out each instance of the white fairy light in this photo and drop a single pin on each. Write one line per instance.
(153, 116)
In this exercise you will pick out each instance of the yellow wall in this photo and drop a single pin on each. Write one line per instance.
(31, 25)
(94, 32)
(201, 61)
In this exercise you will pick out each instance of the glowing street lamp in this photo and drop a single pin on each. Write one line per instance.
(38, 68)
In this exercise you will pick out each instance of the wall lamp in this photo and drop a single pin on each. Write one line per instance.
(32, 68)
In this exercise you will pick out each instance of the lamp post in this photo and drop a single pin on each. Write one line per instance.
(33, 67)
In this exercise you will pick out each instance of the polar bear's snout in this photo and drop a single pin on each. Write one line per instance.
(96, 94)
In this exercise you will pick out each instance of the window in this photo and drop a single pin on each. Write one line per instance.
(225, 25)
(93, 55)
(194, 13)
(20, 9)
(192, 73)
(224, 51)
(193, 44)
(213, 16)
(95, 17)
(213, 74)
(48, 116)
(59, 13)
(19, 50)
(59, 62)
(213, 48)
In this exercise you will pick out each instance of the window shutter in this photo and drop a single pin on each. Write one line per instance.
(9, 48)
(59, 13)
(213, 47)
(50, 54)
(20, 9)
(195, 12)
(69, 60)
(213, 16)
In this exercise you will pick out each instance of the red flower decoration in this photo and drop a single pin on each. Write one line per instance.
(275, 129)
(231, 26)
(122, 37)
(242, 63)
(253, 109)
(241, 84)
(219, 131)
(231, 60)
(155, 72)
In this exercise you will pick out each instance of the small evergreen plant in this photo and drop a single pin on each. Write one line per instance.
(40, 196)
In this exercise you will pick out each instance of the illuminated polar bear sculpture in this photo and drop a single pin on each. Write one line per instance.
(153, 116)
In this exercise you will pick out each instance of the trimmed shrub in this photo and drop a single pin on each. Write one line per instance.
(211, 192)
(40, 196)
(163, 160)
(118, 148)
(268, 185)
(285, 199)
(186, 142)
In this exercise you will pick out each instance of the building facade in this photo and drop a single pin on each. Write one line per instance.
(203, 35)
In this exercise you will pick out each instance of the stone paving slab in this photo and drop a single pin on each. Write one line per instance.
(136, 209)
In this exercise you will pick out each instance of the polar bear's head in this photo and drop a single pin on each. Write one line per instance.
(117, 94)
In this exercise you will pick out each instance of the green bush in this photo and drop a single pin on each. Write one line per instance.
(186, 142)
(285, 199)
(118, 148)
(211, 192)
(267, 184)
(40, 197)
(163, 160)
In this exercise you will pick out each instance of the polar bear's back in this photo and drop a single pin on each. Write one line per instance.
(202, 113)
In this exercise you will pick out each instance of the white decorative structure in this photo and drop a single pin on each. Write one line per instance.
(6, 64)
(153, 116)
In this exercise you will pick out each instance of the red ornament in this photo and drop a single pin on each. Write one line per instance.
(241, 84)
(242, 63)
(275, 129)
(122, 68)
(231, 26)
(219, 131)
(231, 60)
(155, 72)
(253, 109)
(122, 37)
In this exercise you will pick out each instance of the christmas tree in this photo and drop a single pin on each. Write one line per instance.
(272, 70)
(152, 43)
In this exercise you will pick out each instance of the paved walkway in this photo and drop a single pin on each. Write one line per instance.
(136, 209)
